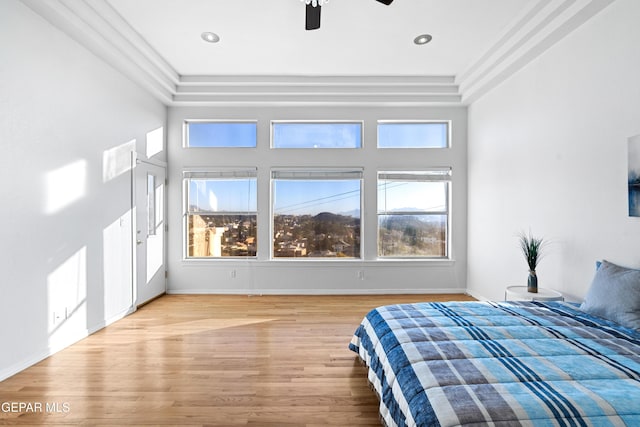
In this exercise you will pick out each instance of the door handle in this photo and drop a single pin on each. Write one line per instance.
(138, 242)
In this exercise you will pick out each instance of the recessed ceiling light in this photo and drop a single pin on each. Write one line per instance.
(422, 39)
(210, 37)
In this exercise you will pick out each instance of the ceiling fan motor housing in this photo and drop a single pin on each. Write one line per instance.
(312, 21)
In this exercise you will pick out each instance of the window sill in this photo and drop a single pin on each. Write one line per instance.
(381, 262)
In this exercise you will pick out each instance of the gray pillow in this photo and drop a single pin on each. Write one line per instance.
(615, 295)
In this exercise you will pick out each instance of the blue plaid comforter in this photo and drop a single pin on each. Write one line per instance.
(500, 363)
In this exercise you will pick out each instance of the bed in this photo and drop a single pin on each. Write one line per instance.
(500, 363)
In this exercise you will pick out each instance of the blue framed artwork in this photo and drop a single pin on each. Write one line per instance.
(634, 176)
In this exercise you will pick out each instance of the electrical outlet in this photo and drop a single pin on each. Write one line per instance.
(57, 317)
(233, 274)
(360, 275)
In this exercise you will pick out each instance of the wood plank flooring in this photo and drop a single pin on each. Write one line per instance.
(210, 360)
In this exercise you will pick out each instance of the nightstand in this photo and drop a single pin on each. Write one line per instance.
(519, 293)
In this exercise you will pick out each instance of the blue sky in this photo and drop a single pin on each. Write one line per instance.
(298, 197)
(425, 196)
(223, 196)
(222, 134)
(290, 197)
(317, 135)
(313, 197)
(412, 135)
(310, 197)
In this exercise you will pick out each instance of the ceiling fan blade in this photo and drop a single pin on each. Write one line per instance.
(313, 17)
(387, 2)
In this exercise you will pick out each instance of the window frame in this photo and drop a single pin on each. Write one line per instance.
(222, 174)
(368, 157)
(185, 133)
(307, 174)
(438, 174)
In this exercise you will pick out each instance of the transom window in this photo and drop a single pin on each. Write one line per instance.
(413, 213)
(316, 134)
(221, 213)
(401, 134)
(220, 134)
(316, 214)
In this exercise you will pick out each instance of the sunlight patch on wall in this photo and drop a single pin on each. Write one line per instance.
(118, 270)
(67, 295)
(117, 160)
(155, 142)
(65, 186)
(155, 237)
(155, 254)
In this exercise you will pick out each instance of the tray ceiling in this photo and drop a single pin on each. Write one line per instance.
(363, 52)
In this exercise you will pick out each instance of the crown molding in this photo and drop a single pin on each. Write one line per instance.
(99, 27)
(534, 31)
(351, 80)
(317, 89)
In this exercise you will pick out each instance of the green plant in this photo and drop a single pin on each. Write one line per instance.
(532, 249)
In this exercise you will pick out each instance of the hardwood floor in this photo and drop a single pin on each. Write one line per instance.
(210, 360)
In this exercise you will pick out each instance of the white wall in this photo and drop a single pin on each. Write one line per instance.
(548, 152)
(65, 225)
(262, 275)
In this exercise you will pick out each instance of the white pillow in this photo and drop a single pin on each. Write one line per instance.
(615, 295)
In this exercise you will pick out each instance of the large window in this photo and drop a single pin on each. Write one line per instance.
(221, 213)
(413, 213)
(312, 176)
(402, 134)
(316, 134)
(316, 213)
(220, 134)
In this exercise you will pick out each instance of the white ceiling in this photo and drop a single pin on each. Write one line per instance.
(356, 37)
(363, 53)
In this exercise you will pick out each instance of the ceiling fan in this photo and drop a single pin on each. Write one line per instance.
(312, 21)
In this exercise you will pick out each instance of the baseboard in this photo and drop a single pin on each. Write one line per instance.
(21, 366)
(391, 291)
(51, 350)
(150, 300)
(477, 296)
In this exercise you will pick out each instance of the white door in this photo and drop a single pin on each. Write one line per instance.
(149, 199)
